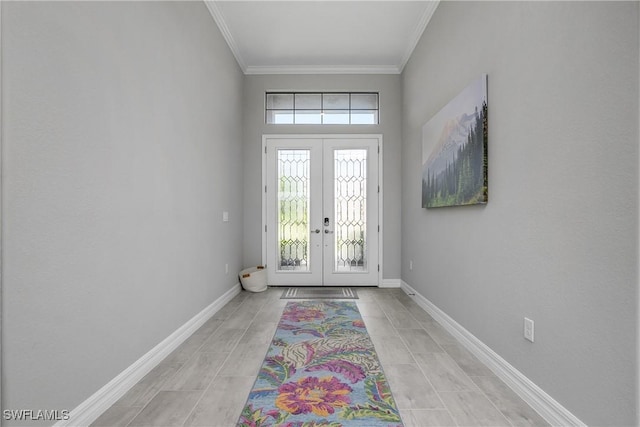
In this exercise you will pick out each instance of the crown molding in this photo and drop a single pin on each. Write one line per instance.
(417, 34)
(322, 69)
(222, 25)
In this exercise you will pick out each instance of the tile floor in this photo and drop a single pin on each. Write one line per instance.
(435, 381)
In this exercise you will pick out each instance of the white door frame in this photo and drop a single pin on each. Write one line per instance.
(378, 137)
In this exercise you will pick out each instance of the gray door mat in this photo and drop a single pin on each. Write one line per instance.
(319, 293)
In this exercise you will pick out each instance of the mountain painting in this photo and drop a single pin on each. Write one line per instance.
(454, 151)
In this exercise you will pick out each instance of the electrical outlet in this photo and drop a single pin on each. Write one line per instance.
(528, 329)
(226, 269)
(410, 265)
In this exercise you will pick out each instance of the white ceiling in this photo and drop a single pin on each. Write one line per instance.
(322, 37)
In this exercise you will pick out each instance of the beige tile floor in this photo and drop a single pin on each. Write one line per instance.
(206, 381)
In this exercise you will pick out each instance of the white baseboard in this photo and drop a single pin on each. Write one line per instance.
(545, 405)
(391, 283)
(89, 410)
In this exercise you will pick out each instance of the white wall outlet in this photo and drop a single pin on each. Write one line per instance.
(226, 269)
(410, 265)
(225, 216)
(528, 329)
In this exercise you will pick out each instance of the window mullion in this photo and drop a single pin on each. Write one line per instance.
(284, 108)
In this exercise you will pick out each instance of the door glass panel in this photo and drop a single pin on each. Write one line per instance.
(364, 101)
(336, 117)
(350, 182)
(293, 209)
(362, 117)
(335, 101)
(308, 101)
(308, 117)
(280, 101)
(280, 117)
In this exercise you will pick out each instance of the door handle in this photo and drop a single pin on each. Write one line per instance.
(317, 231)
(328, 231)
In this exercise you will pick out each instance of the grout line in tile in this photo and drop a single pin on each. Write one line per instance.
(225, 361)
(376, 299)
(135, 416)
(444, 405)
(182, 365)
(467, 375)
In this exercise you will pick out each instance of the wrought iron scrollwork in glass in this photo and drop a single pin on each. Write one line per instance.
(350, 191)
(293, 209)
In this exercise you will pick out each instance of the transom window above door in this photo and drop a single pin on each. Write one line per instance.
(322, 108)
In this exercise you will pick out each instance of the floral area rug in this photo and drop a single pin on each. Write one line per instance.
(321, 370)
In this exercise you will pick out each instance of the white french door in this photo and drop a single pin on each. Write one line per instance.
(321, 197)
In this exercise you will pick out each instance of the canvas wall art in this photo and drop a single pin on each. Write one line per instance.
(454, 151)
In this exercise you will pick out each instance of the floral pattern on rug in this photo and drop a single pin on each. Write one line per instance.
(321, 370)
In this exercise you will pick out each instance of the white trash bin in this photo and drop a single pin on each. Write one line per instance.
(254, 279)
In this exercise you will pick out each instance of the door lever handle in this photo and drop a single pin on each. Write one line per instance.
(317, 231)
(328, 231)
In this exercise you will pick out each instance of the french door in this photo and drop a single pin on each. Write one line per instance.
(322, 198)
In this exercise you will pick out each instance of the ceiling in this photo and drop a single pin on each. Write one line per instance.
(322, 37)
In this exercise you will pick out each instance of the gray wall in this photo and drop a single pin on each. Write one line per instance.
(390, 127)
(122, 139)
(557, 241)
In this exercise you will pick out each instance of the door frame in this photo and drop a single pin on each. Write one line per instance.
(378, 137)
